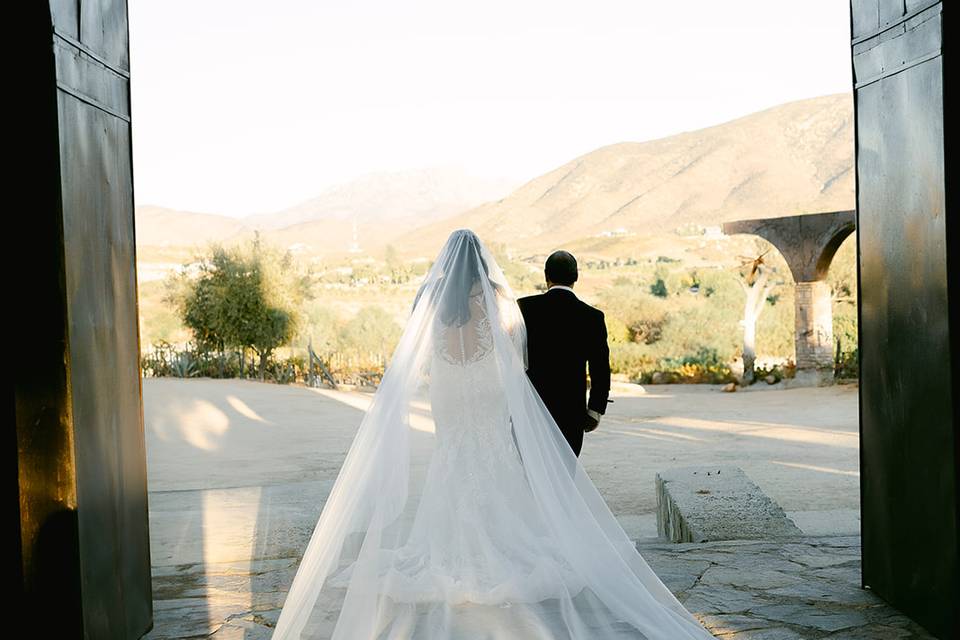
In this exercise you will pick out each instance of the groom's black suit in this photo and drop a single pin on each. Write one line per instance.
(563, 335)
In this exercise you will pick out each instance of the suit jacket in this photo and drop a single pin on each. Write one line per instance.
(564, 336)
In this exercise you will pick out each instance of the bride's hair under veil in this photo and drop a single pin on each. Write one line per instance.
(461, 277)
(460, 510)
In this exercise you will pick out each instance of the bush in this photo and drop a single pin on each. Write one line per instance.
(287, 370)
(847, 365)
(617, 330)
(631, 360)
(705, 366)
(659, 288)
(192, 361)
(635, 362)
(371, 330)
(184, 365)
(647, 330)
(778, 371)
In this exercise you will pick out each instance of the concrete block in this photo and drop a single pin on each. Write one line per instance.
(704, 503)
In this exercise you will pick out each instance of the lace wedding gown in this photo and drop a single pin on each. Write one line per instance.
(461, 512)
(478, 536)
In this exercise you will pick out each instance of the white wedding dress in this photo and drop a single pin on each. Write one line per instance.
(477, 536)
(460, 511)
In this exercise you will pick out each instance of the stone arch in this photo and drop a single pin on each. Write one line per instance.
(808, 243)
(831, 247)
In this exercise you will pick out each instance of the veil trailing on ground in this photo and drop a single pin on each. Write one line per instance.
(460, 510)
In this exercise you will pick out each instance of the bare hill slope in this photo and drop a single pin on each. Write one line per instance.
(790, 159)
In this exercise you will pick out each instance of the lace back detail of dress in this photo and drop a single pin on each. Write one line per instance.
(467, 344)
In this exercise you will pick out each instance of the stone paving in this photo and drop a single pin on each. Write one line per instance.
(805, 587)
(238, 472)
(783, 589)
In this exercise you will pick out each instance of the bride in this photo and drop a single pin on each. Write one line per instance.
(460, 511)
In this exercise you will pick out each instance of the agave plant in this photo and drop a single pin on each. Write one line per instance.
(183, 365)
(285, 374)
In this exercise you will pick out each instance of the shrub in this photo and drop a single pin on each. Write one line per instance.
(847, 364)
(778, 371)
(371, 330)
(631, 360)
(659, 288)
(617, 330)
(705, 366)
(647, 330)
(287, 370)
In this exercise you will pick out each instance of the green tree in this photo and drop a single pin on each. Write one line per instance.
(322, 327)
(245, 297)
(371, 330)
(398, 271)
(200, 302)
(275, 315)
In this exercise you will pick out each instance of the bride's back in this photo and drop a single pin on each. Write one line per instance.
(462, 336)
(466, 388)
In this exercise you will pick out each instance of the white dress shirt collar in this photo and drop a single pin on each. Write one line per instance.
(560, 286)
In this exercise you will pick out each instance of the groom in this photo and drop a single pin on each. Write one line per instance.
(564, 334)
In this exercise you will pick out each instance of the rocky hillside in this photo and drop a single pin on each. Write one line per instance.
(383, 206)
(791, 159)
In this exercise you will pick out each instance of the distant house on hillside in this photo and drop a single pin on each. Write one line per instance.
(694, 229)
(713, 231)
(612, 233)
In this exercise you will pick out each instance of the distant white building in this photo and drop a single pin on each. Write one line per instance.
(611, 233)
(694, 229)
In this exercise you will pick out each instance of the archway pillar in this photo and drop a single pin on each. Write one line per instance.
(813, 323)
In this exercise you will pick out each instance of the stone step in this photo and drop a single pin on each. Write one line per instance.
(704, 503)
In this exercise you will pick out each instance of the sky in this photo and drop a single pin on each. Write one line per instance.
(243, 107)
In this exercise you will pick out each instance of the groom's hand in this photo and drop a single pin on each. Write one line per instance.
(592, 422)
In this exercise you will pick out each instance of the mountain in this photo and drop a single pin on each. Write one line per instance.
(790, 159)
(383, 205)
(420, 195)
(163, 227)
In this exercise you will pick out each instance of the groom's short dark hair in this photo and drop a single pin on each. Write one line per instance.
(561, 268)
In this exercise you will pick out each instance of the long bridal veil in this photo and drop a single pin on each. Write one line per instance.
(460, 511)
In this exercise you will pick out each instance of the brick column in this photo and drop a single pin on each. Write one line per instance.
(814, 326)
